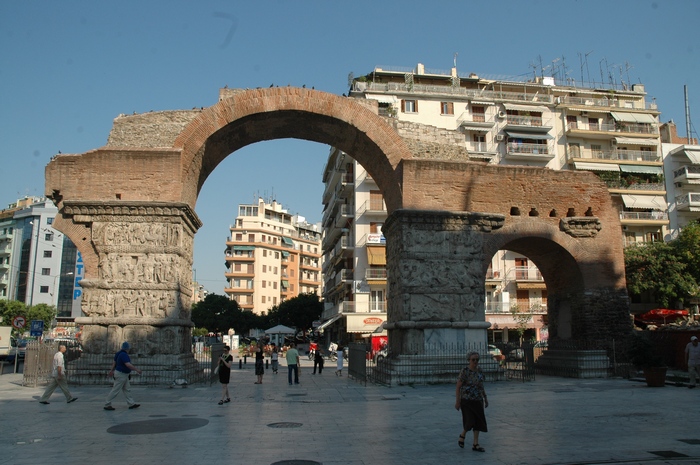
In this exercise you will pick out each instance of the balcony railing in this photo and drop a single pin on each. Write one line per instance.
(482, 147)
(607, 103)
(626, 155)
(529, 121)
(372, 205)
(687, 172)
(654, 215)
(476, 120)
(626, 185)
(530, 149)
(633, 128)
(501, 308)
(477, 94)
(687, 201)
(525, 273)
(375, 273)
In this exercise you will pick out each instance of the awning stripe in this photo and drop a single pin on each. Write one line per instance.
(243, 247)
(654, 202)
(641, 169)
(633, 141)
(479, 102)
(510, 106)
(329, 322)
(596, 166)
(643, 118)
(376, 256)
(523, 135)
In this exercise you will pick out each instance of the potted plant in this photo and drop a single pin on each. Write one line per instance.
(643, 354)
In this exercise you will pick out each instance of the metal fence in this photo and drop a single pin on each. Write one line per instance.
(434, 364)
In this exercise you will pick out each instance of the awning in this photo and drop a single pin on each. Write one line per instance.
(364, 322)
(654, 202)
(285, 283)
(479, 102)
(633, 117)
(595, 166)
(285, 254)
(376, 256)
(633, 141)
(287, 241)
(642, 169)
(243, 247)
(524, 135)
(537, 109)
(692, 152)
(327, 323)
(531, 286)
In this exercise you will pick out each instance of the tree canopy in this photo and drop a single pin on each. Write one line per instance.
(218, 313)
(668, 272)
(299, 312)
(9, 309)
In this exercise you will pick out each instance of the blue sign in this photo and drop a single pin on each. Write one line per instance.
(36, 328)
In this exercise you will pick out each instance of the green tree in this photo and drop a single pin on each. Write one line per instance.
(9, 309)
(298, 312)
(687, 247)
(218, 313)
(659, 270)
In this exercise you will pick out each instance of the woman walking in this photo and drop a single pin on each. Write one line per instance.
(275, 358)
(259, 362)
(225, 361)
(339, 353)
(471, 399)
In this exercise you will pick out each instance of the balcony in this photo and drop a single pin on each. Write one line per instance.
(618, 155)
(481, 150)
(475, 120)
(644, 216)
(606, 103)
(538, 152)
(689, 202)
(688, 174)
(525, 273)
(372, 207)
(505, 308)
(528, 122)
(375, 274)
(581, 128)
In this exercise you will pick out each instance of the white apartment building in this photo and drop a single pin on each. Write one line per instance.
(271, 256)
(38, 264)
(610, 130)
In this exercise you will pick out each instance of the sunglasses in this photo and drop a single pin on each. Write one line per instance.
(473, 359)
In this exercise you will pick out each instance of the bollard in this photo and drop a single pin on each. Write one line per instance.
(245, 359)
(240, 364)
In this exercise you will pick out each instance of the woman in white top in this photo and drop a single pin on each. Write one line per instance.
(339, 371)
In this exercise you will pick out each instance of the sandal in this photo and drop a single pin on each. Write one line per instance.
(228, 399)
(221, 402)
(478, 448)
(461, 441)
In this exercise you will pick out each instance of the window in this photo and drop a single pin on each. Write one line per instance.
(264, 268)
(274, 301)
(479, 114)
(264, 253)
(48, 237)
(44, 289)
(409, 106)
(251, 237)
(447, 108)
(237, 267)
(274, 285)
(46, 271)
(47, 254)
(264, 284)
(571, 121)
(277, 255)
(49, 220)
(275, 270)
(239, 237)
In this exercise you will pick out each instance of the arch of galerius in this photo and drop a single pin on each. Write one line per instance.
(129, 207)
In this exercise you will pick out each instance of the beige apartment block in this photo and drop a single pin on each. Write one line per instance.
(271, 256)
(610, 130)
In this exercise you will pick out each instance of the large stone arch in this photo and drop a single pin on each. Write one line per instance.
(129, 208)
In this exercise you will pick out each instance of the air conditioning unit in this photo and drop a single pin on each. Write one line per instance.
(501, 114)
(624, 228)
(499, 137)
(678, 184)
(613, 142)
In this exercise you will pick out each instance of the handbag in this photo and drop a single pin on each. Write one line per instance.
(216, 370)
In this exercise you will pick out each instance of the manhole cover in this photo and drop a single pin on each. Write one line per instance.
(286, 424)
(163, 425)
(667, 453)
(297, 462)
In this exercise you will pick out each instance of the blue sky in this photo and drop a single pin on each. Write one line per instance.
(68, 68)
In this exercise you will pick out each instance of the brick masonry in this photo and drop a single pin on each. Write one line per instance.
(563, 221)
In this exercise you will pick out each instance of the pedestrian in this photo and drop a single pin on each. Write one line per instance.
(225, 361)
(292, 357)
(275, 358)
(692, 358)
(318, 361)
(339, 353)
(121, 369)
(58, 378)
(259, 361)
(471, 399)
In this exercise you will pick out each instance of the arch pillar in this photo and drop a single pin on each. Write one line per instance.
(435, 278)
(140, 289)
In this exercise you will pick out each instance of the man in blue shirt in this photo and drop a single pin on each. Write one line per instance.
(121, 367)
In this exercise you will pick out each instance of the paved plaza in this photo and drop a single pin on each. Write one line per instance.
(333, 420)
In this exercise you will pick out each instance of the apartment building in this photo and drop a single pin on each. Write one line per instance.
(38, 264)
(610, 130)
(271, 256)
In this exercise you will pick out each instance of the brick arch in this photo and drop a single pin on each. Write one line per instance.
(569, 269)
(265, 114)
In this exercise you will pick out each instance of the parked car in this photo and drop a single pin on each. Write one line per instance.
(18, 349)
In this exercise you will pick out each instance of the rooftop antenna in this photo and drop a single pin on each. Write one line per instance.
(687, 113)
(588, 73)
(628, 67)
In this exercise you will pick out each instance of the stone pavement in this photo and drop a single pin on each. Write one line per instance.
(335, 420)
